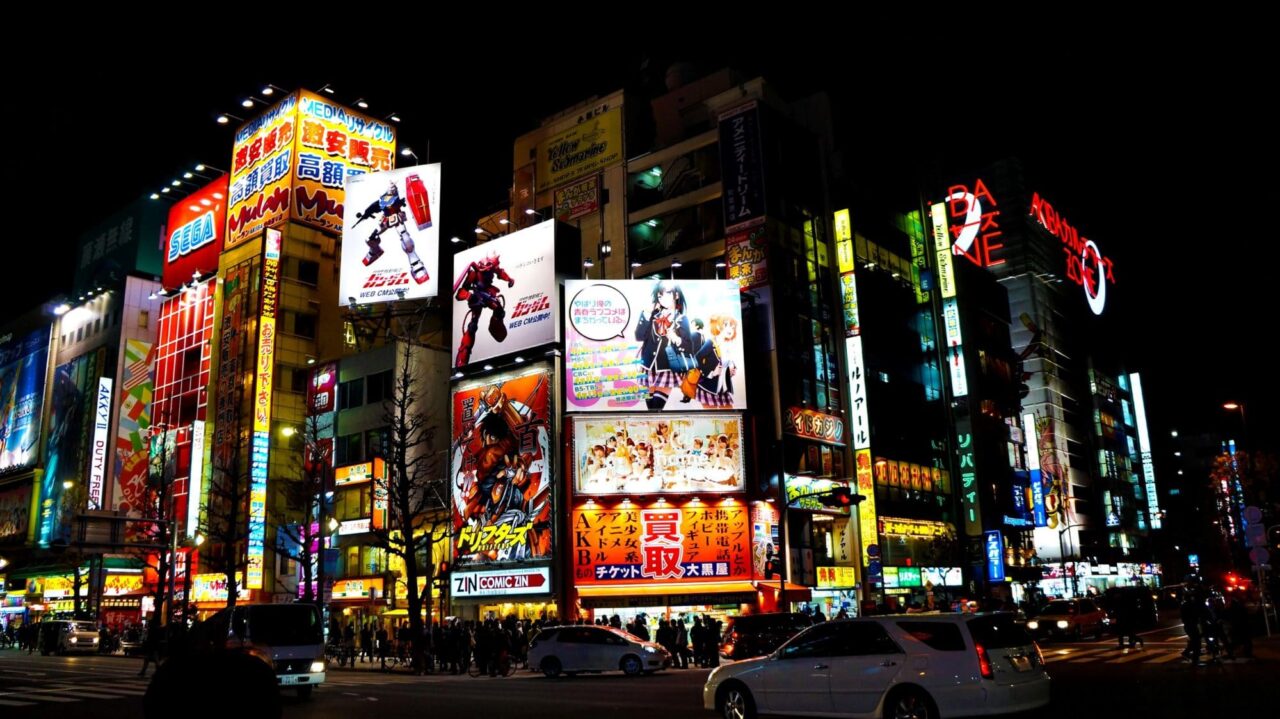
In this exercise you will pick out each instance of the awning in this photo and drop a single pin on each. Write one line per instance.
(668, 595)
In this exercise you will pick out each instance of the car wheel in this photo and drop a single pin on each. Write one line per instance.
(550, 667)
(304, 693)
(909, 703)
(735, 702)
(631, 665)
(1078, 633)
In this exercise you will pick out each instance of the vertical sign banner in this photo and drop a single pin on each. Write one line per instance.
(391, 236)
(502, 471)
(505, 296)
(848, 281)
(98, 450)
(742, 167)
(671, 545)
(955, 347)
(195, 483)
(942, 250)
(867, 525)
(968, 477)
(746, 255)
(657, 345)
(765, 540)
(1038, 514)
(858, 393)
(197, 227)
(23, 363)
(1144, 441)
(132, 426)
(994, 544)
(263, 388)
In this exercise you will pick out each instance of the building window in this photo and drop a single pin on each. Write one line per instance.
(351, 394)
(348, 449)
(380, 386)
(304, 325)
(308, 272)
(144, 319)
(377, 442)
(299, 380)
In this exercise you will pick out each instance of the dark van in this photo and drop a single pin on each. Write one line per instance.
(754, 635)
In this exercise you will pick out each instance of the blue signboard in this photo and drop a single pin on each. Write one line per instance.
(1037, 499)
(995, 556)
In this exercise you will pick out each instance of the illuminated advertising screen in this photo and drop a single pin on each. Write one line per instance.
(867, 508)
(15, 512)
(942, 249)
(502, 582)
(908, 576)
(505, 296)
(73, 397)
(746, 256)
(134, 422)
(293, 161)
(23, 362)
(195, 233)
(654, 344)
(800, 490)
(213, 587)
(322, 390)
(502, 471)
(661, 543)
(391, 236)
(640, 455)
(766, 540)
(941, 576)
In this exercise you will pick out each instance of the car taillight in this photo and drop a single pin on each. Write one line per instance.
(984, 662)
(1039, 654)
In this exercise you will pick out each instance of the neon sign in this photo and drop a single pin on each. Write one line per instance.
(1086, 265)
(976, 231)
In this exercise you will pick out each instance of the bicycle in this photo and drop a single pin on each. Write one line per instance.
(505, 667)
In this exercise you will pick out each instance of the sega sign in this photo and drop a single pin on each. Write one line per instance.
(195, 232)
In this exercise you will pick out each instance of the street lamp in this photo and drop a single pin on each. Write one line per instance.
(1234, 406)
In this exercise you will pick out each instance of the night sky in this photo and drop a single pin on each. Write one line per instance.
(1145, 147)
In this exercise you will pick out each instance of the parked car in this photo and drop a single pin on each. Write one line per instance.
(923, 666)
(587, 648)
(754, 635)
(1072, 618)
(62, 636)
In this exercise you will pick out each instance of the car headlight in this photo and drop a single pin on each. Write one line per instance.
(1033, 625)
(650, 650)
(95, 640)
(317, 667)
(1063, 624)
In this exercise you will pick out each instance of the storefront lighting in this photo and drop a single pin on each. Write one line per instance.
(68, 484)
(199, 539)
(519, 359)
(333, 524)
(488, 367)
(771, 500)
(626, 502)
(591, 502)
(695, 500)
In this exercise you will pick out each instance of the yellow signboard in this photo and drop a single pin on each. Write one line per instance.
(589, 146)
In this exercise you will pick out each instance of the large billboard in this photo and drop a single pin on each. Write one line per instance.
(501, 469)
(402, 209)
(22, 367)
(672, 454)
(588, 147)
(71, 412)
(656, 345)
(292, 162)
(505, 296)
(195, 233)
(15, 512)
(133, 424)
(661, 543)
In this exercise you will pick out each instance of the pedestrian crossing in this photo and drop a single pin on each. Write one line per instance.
(1112, 655)
(61, 692)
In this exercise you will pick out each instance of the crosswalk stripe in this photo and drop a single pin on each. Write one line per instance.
(1088, 654)
(48, 698)
(79, 694)
(1166, 658)
(7, 703)
(1131, 657)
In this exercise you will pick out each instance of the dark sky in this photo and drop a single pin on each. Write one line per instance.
(1146, 146)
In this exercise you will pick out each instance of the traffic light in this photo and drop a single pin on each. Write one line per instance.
(840, 497)
(772, 568)
(442, 573)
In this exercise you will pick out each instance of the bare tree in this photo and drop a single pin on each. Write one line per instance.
(298, 522)
(224, 519)
(415, 489)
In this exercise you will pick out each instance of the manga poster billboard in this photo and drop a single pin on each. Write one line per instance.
(391, 236)
(501, 469)
(641, 455)
(22, 368)
(656, 345)
(505, 295)
(640, 545)
(72, 401)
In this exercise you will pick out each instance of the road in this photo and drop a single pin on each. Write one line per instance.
(1089, 679)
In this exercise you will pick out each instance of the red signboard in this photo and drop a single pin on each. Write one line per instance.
(661, 543)
(815, 425)
(195, 233)
(975, 224)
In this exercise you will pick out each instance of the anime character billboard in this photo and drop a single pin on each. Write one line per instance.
(501, 469)
(657, 345)
(505, 296)
(400, 208)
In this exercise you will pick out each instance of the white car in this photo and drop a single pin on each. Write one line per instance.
(906, 666)
(589, 648)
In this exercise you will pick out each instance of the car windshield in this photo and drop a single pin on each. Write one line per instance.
(84, 627)
(284, 625)
(1059, 608)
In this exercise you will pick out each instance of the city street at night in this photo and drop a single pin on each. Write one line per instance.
(1089, 679)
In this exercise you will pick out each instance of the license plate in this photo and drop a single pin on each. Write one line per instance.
(1021, 664)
